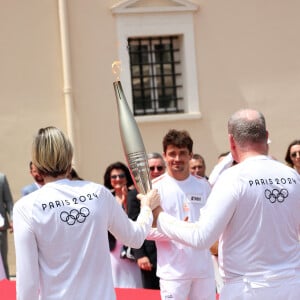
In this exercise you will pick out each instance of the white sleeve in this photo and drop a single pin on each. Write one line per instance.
(27, 270)
(214, 217)
(155, 235)
(130, 233)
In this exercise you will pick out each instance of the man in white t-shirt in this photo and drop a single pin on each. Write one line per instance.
(255, 207)
(184, 272)
(60, 230)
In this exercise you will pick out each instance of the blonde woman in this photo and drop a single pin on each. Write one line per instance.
(62, 250)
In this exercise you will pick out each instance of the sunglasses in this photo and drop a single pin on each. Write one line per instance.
(294, 154)
(121, 176)
(197, 167)
(158, 168)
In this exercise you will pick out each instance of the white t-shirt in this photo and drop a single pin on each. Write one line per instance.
(181, 199)
(2, 221)
(219, 168)
(255, 207)
(61, 242)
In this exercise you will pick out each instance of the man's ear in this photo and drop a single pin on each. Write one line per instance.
(268, 140)
(231, 142)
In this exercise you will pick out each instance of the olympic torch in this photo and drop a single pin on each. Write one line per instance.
(132, 143)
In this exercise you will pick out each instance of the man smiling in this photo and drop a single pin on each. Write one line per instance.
(184, 272)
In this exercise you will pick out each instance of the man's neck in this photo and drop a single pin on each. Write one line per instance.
(180, 175)
(248, 154)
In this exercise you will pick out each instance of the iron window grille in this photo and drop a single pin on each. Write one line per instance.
(156, 78)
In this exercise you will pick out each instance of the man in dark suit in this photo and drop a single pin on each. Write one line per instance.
(6, 210)
(146, 256)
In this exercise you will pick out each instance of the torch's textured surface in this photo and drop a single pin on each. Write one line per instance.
(132, 143)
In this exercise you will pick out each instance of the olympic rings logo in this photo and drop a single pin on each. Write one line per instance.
(276, 195)
(75, 215)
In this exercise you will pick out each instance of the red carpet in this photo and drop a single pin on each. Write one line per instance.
(137, 294)
(8, 292)
(8, 289)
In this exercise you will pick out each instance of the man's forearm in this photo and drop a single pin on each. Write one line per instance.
(156, 213)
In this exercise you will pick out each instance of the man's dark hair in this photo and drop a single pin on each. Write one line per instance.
(179, 139)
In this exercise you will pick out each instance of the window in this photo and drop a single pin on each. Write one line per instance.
(156, 47)
(155, 75)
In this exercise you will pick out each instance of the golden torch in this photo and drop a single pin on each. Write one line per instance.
(132, 142)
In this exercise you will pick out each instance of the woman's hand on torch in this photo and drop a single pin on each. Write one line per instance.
(151, 199)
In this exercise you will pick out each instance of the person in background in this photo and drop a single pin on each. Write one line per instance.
(6, 213)
(184, 272)
(61, 244)
(157, 165)
(197, 165)
(38, 181)
(225, 161)
(255, 209)
(292, 156)
(222, 155)
(73, 175)
(198, 168)
(126, 273)
(146, 256)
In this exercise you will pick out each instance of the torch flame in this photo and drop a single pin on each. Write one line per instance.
(116, 68)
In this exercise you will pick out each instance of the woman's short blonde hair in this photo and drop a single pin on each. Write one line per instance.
(52, 152)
